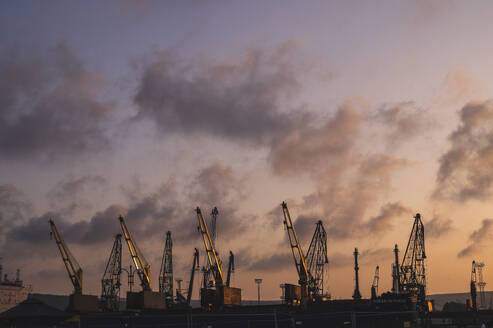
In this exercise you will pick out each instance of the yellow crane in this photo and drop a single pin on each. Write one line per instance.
(298, 255)
(212, 256)
(73, 268)
(141, 266)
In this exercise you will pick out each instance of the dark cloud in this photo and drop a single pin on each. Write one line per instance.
(36, 230)
(13, 204)
(466, 169)
(383, 221)
(276, 262)
(438, 227)
(402, 121)
(477, 238)
(66, 195)
(51, 106)
(102, 226)
(217, 185)
(305, 227)
(148, 215)
(240, 98)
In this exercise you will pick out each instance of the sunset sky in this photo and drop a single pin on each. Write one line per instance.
(357, 113)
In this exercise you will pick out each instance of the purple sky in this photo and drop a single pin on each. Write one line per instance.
(356, 113)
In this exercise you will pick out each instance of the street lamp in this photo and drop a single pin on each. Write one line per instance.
(258, 281)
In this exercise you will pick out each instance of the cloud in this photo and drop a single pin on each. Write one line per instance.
(66, 194)
(51, 106)
(314, 148)
(477, 238)
(13, 203)
(460, 85)
(305, 227)
(347, 182)
(366, 257)
(466, 169)
(383, 221)
(344, 202)
(402, 121)
(269, 263)
(438, 227)
(218, 185)
(239, 99)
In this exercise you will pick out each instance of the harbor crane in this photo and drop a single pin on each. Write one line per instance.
(298, 256)
(195, 266)
(77, 301)
(316, 260)
(474, 304)
(216, 295)
(374, 285)
(166, 273)
(412, 270)
(214, 261)
(110, 283)
(73, 268)
(206, 270)
(231, 268)
(142, 267)
(477, 281)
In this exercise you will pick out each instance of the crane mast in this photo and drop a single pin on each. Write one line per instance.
(298, 255)
(110, 283)
(141, 266)
(412, 275)
(231, 268)
(73, 268)
(316, 260)
(356, 294)
(212, 255)
(166, 273)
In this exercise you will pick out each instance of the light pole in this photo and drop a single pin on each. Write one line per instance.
(258, 281)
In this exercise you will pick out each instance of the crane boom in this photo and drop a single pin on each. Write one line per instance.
(195, 266)
(298, 255)
(141, 266)
(212, 256)
(73, 268)
(231, 268)
(374, 285)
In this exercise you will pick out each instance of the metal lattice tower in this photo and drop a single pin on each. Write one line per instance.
(477, 280)
(316, 260)
(110, 284)
(412, 275)
(166, 273)
(356, 294)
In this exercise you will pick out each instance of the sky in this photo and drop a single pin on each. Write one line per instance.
(359, 114)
